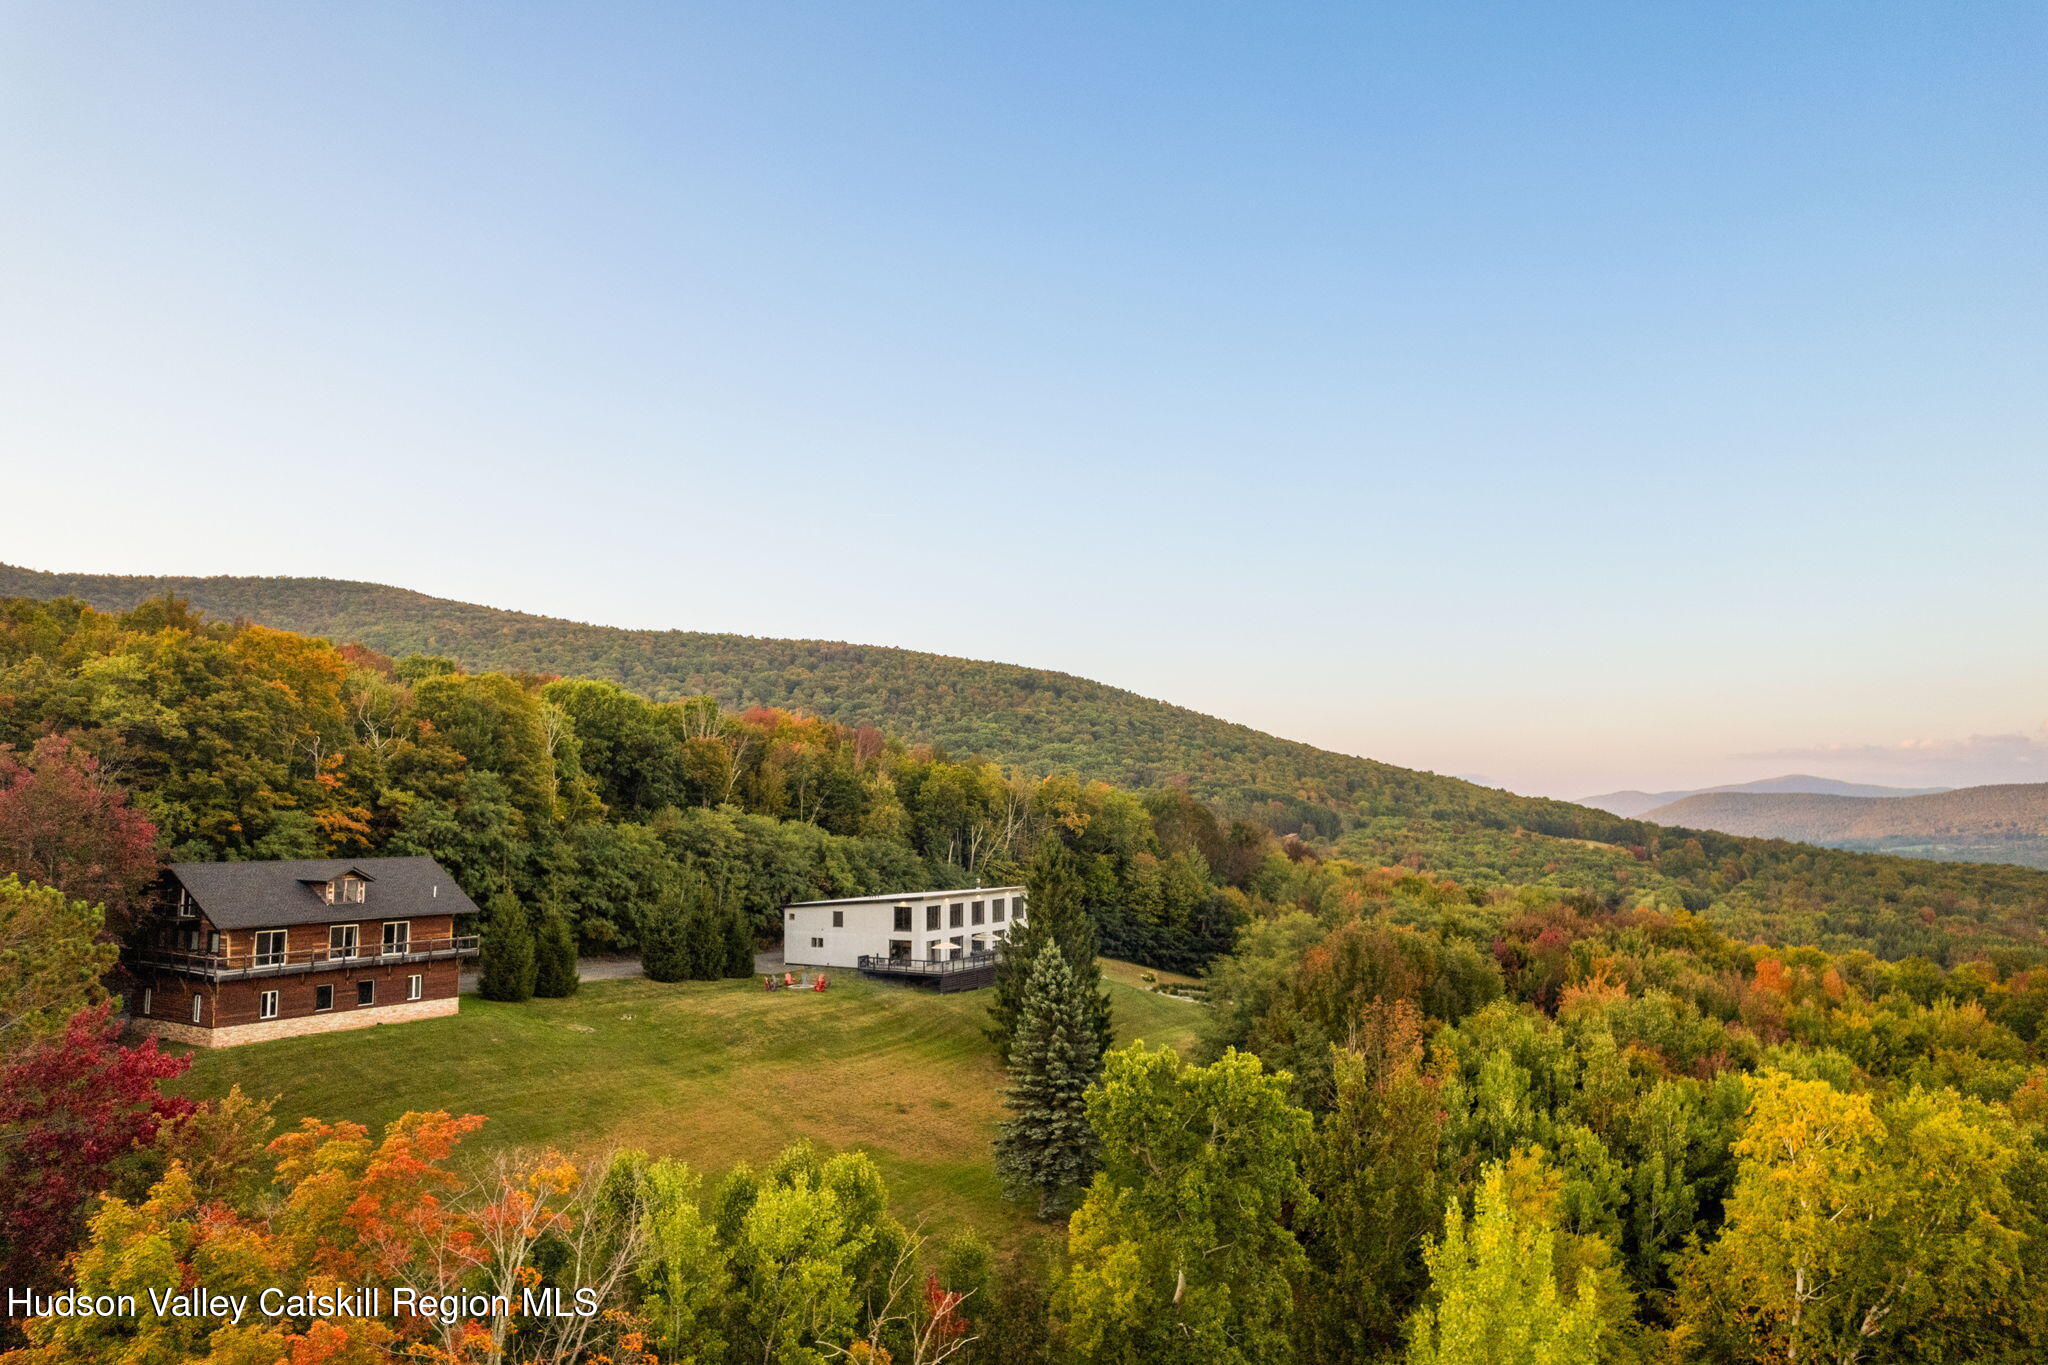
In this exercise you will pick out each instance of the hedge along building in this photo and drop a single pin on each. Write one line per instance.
(242, 952)
(904, 932)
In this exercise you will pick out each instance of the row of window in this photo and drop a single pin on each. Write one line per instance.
(959, 914)
(323, 998)
(343, 940)
(900, 948)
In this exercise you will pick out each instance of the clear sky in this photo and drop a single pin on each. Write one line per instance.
(1575, 395)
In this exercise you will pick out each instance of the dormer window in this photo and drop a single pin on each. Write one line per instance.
(347, 890)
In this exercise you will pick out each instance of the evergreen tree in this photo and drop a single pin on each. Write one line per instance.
(508, 951)
(739, 945)
(703, 935)
(1047, 1146)
(555, 955)
(1055, 912)
(665, 937)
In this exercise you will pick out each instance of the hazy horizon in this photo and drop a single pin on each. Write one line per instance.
(1591, 398)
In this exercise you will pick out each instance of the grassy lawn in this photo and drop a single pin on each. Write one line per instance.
(711, 1072)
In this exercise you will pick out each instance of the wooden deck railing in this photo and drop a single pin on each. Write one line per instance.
(227, 966)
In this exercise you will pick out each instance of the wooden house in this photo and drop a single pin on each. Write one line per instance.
(243, 952)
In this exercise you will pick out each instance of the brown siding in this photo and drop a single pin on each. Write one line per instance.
(308, 937)
(240, 1001)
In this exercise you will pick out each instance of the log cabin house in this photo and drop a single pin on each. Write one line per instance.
(244, 952)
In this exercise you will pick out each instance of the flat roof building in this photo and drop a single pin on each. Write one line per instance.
(905, 930)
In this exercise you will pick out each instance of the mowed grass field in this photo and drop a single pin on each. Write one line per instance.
(709, 1072)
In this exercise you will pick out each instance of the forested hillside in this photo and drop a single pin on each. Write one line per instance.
(1540, 1101)
(1039, 720)
(1009, 721)
(632, 819)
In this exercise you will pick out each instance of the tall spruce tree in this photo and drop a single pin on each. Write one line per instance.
(665, 936)
(1055, 912)
(1047, 1146)
(508, 951)
(739, 945)
(554, 973)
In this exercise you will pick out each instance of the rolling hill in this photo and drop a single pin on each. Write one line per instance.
(2006, 823)
(1636, 805)
(1035, 719)
(1041, 722)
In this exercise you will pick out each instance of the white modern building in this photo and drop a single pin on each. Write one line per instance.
(907, 928)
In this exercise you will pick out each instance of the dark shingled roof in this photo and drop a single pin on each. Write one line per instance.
(266, 895)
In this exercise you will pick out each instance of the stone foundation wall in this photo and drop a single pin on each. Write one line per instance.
(233, 1035)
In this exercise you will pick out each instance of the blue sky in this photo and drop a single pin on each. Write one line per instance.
(1575, 395)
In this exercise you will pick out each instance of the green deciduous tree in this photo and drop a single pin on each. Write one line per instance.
(1494, 1296)
(1184, 1253)
(809, 1244)
(52, 959)
(1047, 1146)
(681, 1279)
(1860, 1231)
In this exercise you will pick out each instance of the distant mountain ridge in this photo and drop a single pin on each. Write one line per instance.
(1636, 805)
(2004, 823)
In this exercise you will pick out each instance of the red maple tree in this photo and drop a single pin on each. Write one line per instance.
(64, 823)
(73, 1105)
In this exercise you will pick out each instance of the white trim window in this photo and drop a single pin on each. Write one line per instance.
(323, 998)
(415, 986)
(148, 998)
(270, 947)
(397, 937)
(366, 992)
(198, 1008)
(266, 1005)
(344, 940)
